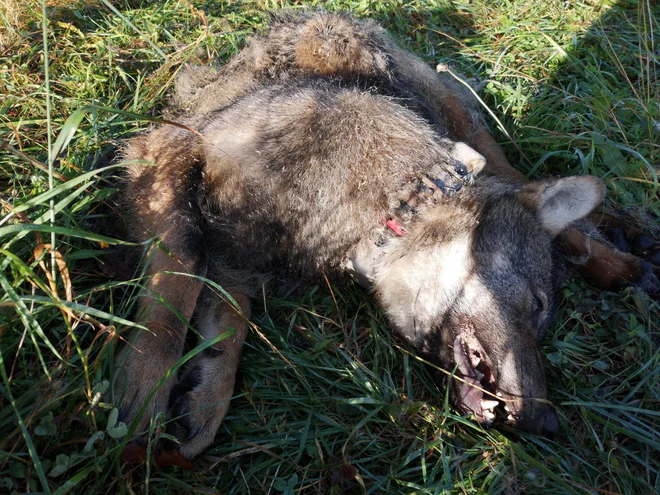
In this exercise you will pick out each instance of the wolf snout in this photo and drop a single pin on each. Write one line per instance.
(549, 424)
(543, 422)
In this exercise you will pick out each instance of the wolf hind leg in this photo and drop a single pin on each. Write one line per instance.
(636, 259)
(200, 400)
(627, 237)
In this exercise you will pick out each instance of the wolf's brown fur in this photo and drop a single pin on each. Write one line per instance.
(297, 151)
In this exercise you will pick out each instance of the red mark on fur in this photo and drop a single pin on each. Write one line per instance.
(395, 227)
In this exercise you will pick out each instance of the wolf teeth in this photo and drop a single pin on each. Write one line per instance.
(506, 408)
(488, 404)
(509, 418)
(489, 415)
(499, 394)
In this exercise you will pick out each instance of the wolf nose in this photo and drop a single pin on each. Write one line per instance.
(549, 425)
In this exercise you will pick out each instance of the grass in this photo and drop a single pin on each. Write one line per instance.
(342, 406)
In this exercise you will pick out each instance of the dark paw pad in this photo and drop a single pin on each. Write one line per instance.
(461, 169)
(180, 406)
(644, 243)
(185, 385)
(654, 257)
(647, 247)
(648, 281)
(618, 239)
(180, 425)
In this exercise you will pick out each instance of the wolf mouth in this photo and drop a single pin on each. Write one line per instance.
(477, 393)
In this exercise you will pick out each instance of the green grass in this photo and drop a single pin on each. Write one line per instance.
(342, 406)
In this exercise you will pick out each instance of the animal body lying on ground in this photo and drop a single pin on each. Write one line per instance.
(323, 147)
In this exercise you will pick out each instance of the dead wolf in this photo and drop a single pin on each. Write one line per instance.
(324, 147)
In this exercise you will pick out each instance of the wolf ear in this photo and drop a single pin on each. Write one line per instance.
(561, 202)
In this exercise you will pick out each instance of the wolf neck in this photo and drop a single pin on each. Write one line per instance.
(425, 208)
(363, 262)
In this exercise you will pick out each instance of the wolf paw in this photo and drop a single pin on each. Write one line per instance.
(137, 377)
(649, 279)
(198, 404)
(648, 248)
(645, 251)
(642, 245)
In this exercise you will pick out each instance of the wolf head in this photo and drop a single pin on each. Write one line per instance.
(472, 285)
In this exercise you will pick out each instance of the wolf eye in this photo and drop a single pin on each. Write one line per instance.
(537, 308)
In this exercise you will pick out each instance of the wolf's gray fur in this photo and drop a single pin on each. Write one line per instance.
(291, 157)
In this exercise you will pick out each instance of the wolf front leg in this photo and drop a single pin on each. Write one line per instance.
(161, 204)
(148, 356)
(200, 400)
